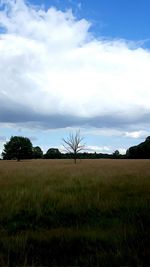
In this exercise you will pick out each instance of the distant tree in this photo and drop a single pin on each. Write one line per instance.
(116, 154)
(141, 151)
(52, 153)
(17, 148)
(73, 144)
(148, 139)
(37, 152)
(127, 155)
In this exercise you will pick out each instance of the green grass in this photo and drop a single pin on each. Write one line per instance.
(56, 213)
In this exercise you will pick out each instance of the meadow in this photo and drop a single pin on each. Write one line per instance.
(56, 213)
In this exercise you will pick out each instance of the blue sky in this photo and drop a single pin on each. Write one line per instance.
(127, 19)
(69, 65)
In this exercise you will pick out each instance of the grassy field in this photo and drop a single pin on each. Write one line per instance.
(56, 213)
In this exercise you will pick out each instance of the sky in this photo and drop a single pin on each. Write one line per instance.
(70, 65)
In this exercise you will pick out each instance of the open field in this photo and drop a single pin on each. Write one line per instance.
(56, 213)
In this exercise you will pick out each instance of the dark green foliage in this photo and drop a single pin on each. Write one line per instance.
(37, 152)
(116, 154)
(18, 148)
(86, 155)
(141, 151)
(53, 153)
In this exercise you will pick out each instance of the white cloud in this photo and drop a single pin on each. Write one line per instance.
(137, 134)
(116, 132)
(50, 64)
(104, 132)
(98, 149)
(105, 149)
(79, 5)
(2, 138)
(122, 151)
(2, 142)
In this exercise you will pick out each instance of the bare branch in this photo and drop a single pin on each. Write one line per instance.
(73, 144)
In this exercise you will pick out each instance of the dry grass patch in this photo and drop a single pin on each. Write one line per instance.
(95, 213)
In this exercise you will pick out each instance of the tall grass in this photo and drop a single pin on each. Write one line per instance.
(55, 213)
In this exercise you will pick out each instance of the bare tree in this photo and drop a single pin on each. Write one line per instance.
(73, 144)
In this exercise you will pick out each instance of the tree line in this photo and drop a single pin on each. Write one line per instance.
(19, 147)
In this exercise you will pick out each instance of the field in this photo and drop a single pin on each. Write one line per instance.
(56, 213)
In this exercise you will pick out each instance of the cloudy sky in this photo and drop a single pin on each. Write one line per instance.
(68, 65)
